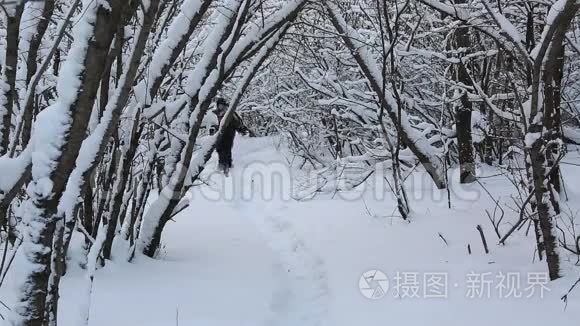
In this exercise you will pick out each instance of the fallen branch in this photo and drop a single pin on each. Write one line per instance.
(480, 229)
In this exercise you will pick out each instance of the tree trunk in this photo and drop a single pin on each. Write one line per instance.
(32, 67)
(463, 112)
(543, 138)
(94, 32)
(118, 191)
(10, 65)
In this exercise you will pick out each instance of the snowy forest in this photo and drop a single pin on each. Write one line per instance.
(289, 162)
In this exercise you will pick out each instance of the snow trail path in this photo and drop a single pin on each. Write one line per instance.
(302, 293)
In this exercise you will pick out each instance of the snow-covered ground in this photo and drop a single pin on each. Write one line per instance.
(246, 253)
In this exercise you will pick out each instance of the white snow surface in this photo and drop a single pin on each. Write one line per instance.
(246, 253)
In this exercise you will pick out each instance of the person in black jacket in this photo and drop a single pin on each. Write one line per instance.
(225, 144)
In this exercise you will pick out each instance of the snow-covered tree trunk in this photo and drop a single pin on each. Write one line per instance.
(543, 138)
(22, 175)
(93, 148)
(56, 271)
(58, 136)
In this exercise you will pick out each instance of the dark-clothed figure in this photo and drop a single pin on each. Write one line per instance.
(225, 144)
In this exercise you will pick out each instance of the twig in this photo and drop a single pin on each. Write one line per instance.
(521, 219)
(15, 248)
(442, 238)
(480, 229)
(565, 296)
